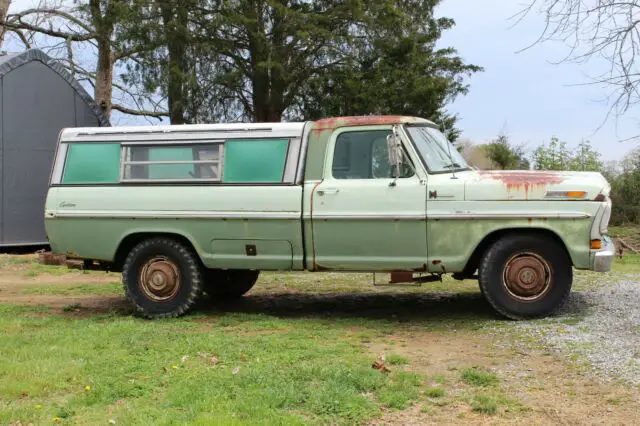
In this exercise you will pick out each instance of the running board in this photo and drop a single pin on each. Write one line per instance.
(405, 278)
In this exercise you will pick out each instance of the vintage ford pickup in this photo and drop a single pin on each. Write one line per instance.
(182, 210)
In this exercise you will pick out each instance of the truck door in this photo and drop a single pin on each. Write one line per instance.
(363, 219)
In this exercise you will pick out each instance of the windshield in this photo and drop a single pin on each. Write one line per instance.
(438, 153)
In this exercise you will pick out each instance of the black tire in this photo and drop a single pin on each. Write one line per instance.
(526, 276)
(173, 260)
(229, 284)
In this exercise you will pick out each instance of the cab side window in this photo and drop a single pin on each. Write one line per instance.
(364, 155)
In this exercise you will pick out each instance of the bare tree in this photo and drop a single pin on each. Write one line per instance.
(86, 24)
(597, 29)
(4, 9)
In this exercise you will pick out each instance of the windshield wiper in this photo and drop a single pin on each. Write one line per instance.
(452, 165)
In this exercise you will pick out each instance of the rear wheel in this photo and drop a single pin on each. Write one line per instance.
(162, 278)
(526, 276)
(229, 284)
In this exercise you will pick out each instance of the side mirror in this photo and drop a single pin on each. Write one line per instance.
(393, 150)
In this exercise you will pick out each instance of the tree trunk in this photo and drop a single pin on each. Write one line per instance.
(266, 79)
(176, 33)
(4, 9)
(103, 92)
(104, 77)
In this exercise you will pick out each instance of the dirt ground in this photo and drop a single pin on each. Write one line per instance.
(551, 390)
(14, 280)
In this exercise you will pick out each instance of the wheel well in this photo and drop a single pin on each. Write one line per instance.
(127, 244)
(488, 240)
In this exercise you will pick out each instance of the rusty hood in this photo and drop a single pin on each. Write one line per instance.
(531, 184)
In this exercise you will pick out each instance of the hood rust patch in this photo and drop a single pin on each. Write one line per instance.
(518, 180)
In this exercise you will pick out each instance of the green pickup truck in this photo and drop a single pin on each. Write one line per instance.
(192, 209)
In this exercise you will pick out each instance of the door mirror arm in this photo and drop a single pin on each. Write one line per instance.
(396, 155)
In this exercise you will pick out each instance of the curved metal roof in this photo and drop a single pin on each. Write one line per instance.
(10, 62)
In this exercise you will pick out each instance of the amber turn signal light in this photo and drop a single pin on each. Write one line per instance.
(575, 195)
(596, 244)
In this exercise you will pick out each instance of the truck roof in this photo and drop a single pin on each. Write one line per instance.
(332, 123)
(287, 129)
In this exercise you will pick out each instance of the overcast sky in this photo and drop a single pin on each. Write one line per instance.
(522, 94)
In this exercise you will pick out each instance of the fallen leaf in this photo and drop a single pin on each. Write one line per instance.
(379, 364)
(174, 366)
(112, 422)
(87, 388)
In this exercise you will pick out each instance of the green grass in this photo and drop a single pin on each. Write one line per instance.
(395, 359)
(479, 377)
(484, 404)
(435, 392)
(9, 260)
(37, 269)
(298, 361)
(336, 282)
(269, 371)
(114, 288)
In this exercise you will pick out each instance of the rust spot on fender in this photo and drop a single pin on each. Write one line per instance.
(517, 180)
(332, 123)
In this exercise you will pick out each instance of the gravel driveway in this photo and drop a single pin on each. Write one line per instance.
(601, 326)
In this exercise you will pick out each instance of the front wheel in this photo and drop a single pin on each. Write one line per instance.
(526, 276)
(162, 278)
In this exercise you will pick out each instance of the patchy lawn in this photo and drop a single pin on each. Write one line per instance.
(299, 349)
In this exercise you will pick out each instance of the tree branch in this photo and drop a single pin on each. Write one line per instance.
(155, 114)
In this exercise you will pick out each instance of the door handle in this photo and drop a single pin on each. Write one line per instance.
(328, 191)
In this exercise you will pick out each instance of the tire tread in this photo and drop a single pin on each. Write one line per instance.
(194, 270)
(484, 278)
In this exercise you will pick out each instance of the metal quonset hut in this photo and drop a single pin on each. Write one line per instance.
(38, 98)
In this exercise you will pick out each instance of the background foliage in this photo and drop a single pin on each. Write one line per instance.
(624, 175)
(198, 61)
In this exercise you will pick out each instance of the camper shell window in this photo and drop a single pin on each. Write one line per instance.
(195, 162)
(92, 163)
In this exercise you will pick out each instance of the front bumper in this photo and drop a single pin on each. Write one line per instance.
(602, 260)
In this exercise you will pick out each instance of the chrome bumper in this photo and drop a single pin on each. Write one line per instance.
(603, 258)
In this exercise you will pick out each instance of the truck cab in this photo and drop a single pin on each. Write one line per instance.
(182, 210)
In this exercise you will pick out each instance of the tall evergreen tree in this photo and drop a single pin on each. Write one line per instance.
(268, 60)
